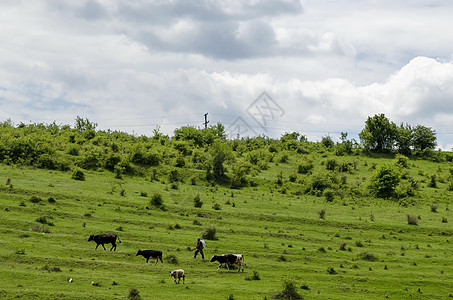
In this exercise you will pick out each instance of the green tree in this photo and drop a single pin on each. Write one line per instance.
(424, 138)
(404, 139)
(384, 181)
(219, 154)
(379, 134)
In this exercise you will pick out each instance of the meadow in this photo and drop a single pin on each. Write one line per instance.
(294, 243)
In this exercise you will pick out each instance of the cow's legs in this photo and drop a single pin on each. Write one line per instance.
(97, 245)
(103, 246)
(113, 246)
(219, 267)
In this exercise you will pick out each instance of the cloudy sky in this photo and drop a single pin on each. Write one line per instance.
(318, 67)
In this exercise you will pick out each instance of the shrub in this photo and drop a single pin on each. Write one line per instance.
(329, 194)
(383, 181)
(35, 199)
(331, 164)
(216, 206)
(331, 271)
(368, 256)
(51, 200)
(172, 259)
(209, 234)
(322, 214)
(433, 207)
(412, 219)
(444, 220)
(134, 294)
(156, 200)
(255, 276)
(304, 168)
(197, 201)
(433, 181)
(289, 291)
(78, 175)
(43, 220)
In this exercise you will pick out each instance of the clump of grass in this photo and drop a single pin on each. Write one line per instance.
(358, 244)
(281, 258)
(120, 228)
(216, 206)
(254, 276)
(35, 199)
(78, 175)
(196, 222)
(172, 259)
(368, 256)
(20, 252)
(289, 291)
(51, 269)
(38, 228)
(143, 194)
(331, 271)
(412, 219)
(156, 200)
(197, 201)
(43, 220)
(444, 220)
(322, 214)
(321, 250)
(343, 246)
(434, 207)
(210, 234)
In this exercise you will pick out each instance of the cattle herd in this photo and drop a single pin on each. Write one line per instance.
(223, 260)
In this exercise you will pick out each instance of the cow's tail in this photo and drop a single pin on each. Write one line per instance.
(118, 239)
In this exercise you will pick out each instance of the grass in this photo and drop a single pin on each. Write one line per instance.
(278, 230)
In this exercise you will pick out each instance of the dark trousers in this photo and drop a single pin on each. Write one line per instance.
(196, 252)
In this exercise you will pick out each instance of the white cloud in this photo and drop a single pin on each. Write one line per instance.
(329, 64)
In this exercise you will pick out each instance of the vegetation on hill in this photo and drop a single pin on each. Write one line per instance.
(369, 219)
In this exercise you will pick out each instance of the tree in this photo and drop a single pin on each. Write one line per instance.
(404, 139)
(219, 152)
(384, 180)
(379, 134)
(424, 138)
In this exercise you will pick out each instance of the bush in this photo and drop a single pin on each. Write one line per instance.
(78, 175)
(156, 200)
(412, 219)
(172, 259)
(35, 199)
(134, 294)
(304, 168)
(255, 276)
(329, 195)
(368, 256)
(289, 291)
(43, 220)
(197, 201)
(331, 164)
(216, 206)
(209, 234)
(322, 214)
(383, 181)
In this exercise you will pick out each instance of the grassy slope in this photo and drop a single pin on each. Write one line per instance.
(279, 234)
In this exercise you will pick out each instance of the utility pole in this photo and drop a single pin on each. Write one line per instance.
(206, 120)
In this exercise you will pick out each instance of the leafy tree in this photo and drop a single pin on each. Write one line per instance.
(384, 181)
(327, 141)
(379, 134)
(404, 139)
(220, 153)
(424, 138)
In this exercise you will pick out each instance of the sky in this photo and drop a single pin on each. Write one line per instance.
(259, 67)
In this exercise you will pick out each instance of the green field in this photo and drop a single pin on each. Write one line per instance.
(361, 249)
(314, 220)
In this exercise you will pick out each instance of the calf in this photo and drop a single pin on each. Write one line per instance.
(178, 274)
(229, 259)
(154, 254)
(102, 239)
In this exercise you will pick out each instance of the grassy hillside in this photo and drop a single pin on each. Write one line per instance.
(337, 241)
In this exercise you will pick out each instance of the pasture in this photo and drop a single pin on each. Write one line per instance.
(343, 249)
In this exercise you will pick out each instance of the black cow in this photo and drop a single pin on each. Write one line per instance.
(102, 239)
(229, 259)
(154, 254)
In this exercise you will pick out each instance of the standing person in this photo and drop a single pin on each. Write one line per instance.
(199, 248)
